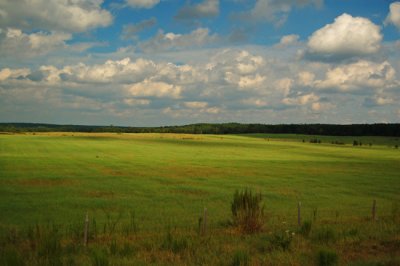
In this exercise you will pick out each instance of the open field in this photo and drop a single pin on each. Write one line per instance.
(167, 180)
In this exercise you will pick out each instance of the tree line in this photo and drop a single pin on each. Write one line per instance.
(222, 128)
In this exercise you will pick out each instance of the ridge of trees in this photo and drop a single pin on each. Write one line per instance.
(379, 129)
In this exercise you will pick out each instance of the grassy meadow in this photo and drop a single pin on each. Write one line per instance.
(144, 194)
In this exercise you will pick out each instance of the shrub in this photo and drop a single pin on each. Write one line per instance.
(241, 258)
(327, 258)
(247, 212)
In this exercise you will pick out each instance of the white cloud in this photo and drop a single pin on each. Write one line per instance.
(346, 36)
(130, 31)
(15, 43)
(288, 40)
(322, 106)
(134, 102)
(394, 15)
(284, 85)
(118, 71)
(359, 75)
(277, 11)
(301, 100)
(378, 100)
(195, 105)
(62, 15)
(224, 85)
(149, 88)
(142, 3)
(255, 102)
(172, 41)
(7, 73)
(251, 82)
(247, 63)
(205, 9)
(305, 78)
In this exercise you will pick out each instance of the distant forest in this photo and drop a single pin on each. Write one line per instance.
(224, 128)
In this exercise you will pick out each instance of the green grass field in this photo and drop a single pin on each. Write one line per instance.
(168, 179)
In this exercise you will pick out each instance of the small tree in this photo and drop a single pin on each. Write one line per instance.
(247, 212)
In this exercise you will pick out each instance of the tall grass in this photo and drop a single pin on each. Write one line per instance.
(248, 211)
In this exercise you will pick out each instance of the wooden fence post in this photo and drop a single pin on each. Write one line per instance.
(299, 213)
(85, 235)
(374, 210)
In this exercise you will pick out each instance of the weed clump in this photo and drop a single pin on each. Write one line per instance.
(282, 240)
(247, 212)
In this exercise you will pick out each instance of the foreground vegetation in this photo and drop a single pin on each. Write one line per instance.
(146, 194)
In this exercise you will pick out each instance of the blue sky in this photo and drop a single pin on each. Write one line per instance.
(167, 62)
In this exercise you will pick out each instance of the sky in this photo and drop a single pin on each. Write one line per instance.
(171, 62)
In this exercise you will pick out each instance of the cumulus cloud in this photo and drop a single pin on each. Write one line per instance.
(195, 105)
(251, 82)
(347, 36)
(205, 9)
(322, 106)
(377, 100)
(112, 71)
(142, 3)
(149, 88)
(135, 102)
(15, 43)
(240, 69)
(277, 11)
(357, 76)
(301, 100)
(288, 40)
(394, 15)
(130, 31)
(69, 16)
(7, 73)
(171, 41)
(305, 78)
(228, 84)
(255, 102)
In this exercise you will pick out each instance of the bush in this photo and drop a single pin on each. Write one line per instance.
(327, 258)
(247, 212)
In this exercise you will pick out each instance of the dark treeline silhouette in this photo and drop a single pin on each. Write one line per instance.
(224, 128)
